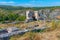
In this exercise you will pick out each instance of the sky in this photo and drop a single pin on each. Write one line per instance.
(31, 3)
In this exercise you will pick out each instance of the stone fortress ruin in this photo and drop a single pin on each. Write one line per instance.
(43, 14)
(36, 15)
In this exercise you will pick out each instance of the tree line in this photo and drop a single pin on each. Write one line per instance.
(11, 17)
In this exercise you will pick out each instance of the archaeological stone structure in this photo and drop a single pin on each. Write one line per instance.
(34, 15)
(44, 14)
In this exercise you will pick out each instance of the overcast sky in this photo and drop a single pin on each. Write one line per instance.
(31, 3)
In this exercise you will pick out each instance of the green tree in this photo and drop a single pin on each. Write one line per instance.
(12, 16)
(21, 18)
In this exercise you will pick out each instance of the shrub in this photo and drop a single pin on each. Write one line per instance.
(21, 18)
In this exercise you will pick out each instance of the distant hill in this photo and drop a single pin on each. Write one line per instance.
(8, 7)
(11, 7)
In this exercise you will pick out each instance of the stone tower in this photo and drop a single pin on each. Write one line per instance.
(27, 12)
(36, 15)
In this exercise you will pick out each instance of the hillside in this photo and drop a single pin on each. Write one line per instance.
(8, 7)
(13, 13)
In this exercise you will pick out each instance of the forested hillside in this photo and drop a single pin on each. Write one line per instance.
(8, 7)
(17, 13)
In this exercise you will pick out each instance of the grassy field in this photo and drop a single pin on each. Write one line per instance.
(52, 33)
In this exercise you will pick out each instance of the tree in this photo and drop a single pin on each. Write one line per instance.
(21, 18)
(12, 16)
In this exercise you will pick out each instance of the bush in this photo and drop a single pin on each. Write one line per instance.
(21, 18)
(11, 17)
(52, 25)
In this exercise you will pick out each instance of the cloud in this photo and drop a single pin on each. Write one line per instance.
(53, 4)
(10, 2)
(25, 5)
(34, 1)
